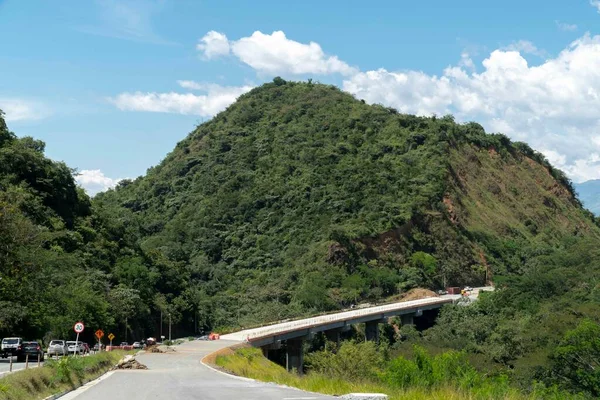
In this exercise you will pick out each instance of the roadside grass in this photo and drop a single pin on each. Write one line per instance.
(57, 376)
(249, 362)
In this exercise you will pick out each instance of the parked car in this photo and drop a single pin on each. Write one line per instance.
(33, 350)
(57, 348)
(74, 347)
(11, 347)
(124, 344)
(137, 345)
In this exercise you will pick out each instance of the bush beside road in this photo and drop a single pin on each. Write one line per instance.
(56, 376)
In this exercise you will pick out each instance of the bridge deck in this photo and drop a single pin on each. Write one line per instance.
(287, 330)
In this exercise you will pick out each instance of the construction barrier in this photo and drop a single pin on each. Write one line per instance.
(110, 348)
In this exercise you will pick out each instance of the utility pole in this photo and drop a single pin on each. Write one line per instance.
(169, 327)
(125, 328)
(161, 323)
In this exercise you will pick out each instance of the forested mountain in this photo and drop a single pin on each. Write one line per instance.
(299, 197)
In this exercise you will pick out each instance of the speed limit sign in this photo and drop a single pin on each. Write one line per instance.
(78, 327)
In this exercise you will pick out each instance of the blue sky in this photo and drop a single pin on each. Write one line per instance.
(112, 86)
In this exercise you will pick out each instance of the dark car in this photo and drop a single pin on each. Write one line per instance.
(33, 350)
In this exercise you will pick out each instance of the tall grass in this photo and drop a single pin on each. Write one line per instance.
(446, 376)
(56, 376)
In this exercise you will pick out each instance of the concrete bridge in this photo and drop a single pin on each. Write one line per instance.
(293, 333)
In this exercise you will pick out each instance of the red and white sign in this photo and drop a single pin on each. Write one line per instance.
(78, 327)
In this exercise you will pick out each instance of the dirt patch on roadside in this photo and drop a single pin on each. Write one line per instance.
(416, 294)
(161, 349)
(130, 363)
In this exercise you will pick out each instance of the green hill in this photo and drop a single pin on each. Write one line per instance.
(300, 197)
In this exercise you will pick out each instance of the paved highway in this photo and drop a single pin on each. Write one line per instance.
(5, 365)
(181, 375)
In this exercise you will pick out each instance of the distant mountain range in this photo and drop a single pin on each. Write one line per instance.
(589, 194)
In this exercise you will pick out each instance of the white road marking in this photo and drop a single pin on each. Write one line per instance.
(300, 398)
(81, 389)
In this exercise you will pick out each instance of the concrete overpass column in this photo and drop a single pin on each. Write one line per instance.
(333, 335)
(372, 331)
(407, 319)
(294, 356)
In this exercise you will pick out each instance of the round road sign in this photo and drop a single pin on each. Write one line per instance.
(78, 327)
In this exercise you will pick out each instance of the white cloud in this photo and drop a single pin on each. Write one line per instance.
(466, 61)
(126, 19)
(526, 47)
(554, 157)
(563, 26)
(554, 106)
(596, 4)
(275, 54)
(192, 85)
(21, 110)
(94, 181)
(213, 44)
(215, 100)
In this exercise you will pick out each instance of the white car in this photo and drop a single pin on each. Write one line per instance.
(57, 347)
(137, 345)
(74, 347)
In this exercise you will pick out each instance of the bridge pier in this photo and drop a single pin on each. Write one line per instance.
(407, 319)
(333, 335)
(269, 347)
(372, 331)
(294, 356)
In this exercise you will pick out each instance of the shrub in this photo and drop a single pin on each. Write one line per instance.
(353, 361)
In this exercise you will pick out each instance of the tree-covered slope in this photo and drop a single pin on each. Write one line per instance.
(300, 197)
(56, 253)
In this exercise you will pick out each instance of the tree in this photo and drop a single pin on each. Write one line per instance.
(577, 359)
(126, 303)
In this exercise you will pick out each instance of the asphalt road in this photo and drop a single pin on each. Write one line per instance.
(5, 365)
(181, 375)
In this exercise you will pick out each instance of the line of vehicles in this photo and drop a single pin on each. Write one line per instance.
(19, 348)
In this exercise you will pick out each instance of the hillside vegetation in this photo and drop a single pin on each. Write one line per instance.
(56, 253)
(299, 197)
(361, 368)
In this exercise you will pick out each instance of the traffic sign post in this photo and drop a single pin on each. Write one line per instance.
(111, 337)
(99, 334)
(78, 328)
